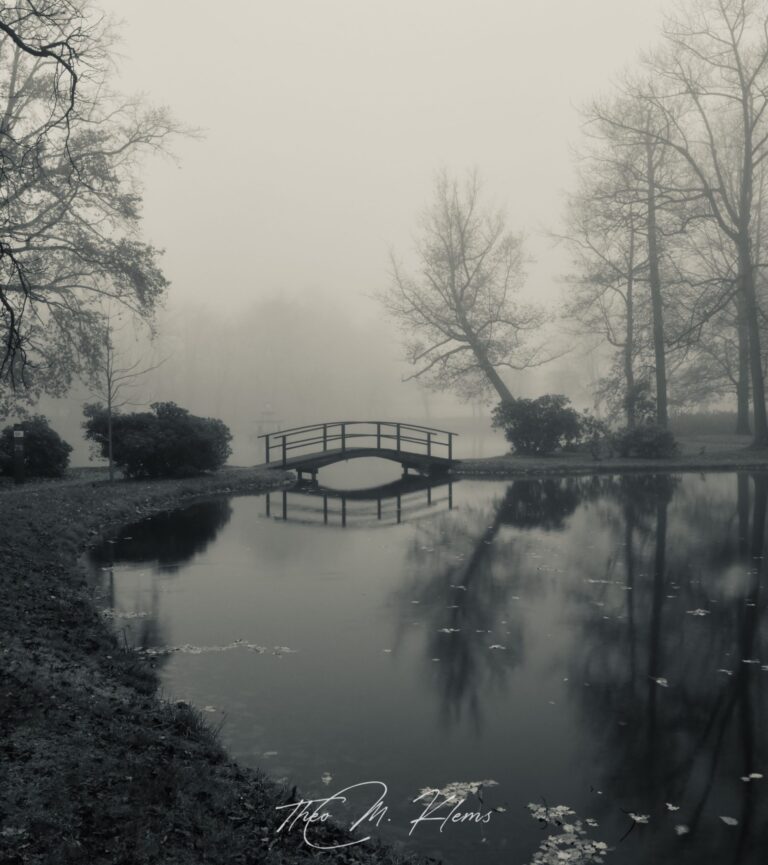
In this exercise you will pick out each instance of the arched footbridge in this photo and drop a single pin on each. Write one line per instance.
(309, 448)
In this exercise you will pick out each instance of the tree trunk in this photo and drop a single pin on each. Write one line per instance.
(482, 357)
(629, 340)
(495, 379)
(747, 286)
(109, 441)
(742, 387)
(656, 303)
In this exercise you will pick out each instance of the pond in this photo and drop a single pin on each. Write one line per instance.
(596, 643)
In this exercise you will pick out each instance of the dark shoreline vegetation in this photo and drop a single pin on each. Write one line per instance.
(99, 769)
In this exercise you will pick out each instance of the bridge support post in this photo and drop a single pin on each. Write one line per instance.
(285, 504)
(325, 510)
(378, 509)
(266, 447)
(344, 511)
(268, 505)
(399, 508)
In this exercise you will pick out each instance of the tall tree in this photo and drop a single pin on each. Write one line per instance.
(602, 234)
(69, 192)
(462, 322)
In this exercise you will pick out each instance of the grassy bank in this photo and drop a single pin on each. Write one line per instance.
(697, 453)
(96, 769)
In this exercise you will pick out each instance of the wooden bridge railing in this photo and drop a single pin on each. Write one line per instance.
(340, 434)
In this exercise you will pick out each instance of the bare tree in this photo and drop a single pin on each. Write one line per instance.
(70, 193)
(114, 379)
(460, 317)
(603, 237)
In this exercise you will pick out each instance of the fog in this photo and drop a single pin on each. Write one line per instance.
(323, 125)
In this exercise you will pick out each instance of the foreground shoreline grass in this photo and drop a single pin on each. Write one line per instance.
(96, 768)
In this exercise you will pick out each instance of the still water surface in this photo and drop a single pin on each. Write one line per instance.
(598, 643)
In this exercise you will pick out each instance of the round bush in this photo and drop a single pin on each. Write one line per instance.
(648, 441)
(538, 426)
(168, 442)
(46, 454)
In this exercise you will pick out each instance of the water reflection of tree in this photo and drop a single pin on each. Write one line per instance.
(168, 540)
(690, 742)
(164, 542)
(464, 575)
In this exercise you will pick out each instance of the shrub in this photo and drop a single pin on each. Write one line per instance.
(46, 454)
(648, 441)
(538, 426)
(168, 442)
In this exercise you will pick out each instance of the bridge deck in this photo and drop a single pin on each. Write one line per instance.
(314, 461)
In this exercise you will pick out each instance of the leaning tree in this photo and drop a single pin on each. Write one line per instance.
(459, 313)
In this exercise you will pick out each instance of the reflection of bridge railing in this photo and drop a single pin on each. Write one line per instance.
(321, 444)
(409, 498)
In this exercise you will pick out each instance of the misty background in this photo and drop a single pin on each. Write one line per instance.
(323, 126)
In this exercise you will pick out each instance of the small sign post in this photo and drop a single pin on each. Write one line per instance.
(18, 454)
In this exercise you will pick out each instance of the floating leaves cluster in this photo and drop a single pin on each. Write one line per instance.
(569, 843)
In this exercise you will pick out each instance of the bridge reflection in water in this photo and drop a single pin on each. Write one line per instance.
(408, 499)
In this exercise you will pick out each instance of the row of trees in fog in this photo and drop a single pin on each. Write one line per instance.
(667, 226)
(666, 231)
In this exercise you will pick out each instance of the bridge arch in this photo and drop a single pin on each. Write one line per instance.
(308, 448)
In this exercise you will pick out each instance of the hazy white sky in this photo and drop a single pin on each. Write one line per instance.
(326, 119)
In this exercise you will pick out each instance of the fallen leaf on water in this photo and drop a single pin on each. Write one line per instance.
(326, 778)
(697, 612)
(671, 807)
(496, 646)
(639, 818)
(660, 681)
(682, 829)
(730, 821)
